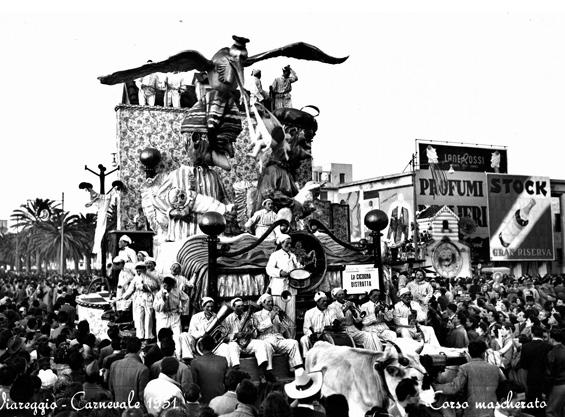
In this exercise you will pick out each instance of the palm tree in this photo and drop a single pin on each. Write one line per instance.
(47, 240)
(8, 242)
(26, 221)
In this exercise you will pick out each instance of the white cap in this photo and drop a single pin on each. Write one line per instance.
(264, 298)
(319, 295)
(47, 377)
(140, 265)
(403, 291)
(336, 290)
(206, 300)
(125, 238)
(235, 300)
(282, 238)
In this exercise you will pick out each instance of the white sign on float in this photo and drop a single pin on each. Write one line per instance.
(359, 279)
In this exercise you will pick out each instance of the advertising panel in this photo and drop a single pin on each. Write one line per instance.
(520, 220)
(462, 158)
(465, 193)
(398, 204)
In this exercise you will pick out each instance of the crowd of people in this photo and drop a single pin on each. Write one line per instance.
(513, 329)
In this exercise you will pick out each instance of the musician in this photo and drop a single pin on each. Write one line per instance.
(168, 305)
(142, 288)
(420, 289)
(200, 325)
(350, 317)
(408, 315)
(281, 263)
(269, 328)
(241, 332)
(315, 321)
(376, 316)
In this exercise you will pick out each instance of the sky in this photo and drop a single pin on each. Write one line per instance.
(474, 72)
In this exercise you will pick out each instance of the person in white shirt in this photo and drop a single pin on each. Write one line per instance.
(270, 328)
(255, 88)
(281, 88)
(241, 336)
(184, 285)
(163, 392)
(421, 290)
(344, 312)
(280, 264)
(125, 277)
(125, 252)
(376, 316)
(200, 325)
(407, 316)
(161, 86)
(142, 288)
(146, 86)
(151, 264)
(168, 305)
(262, 220)
(174, 85)
(315, 321)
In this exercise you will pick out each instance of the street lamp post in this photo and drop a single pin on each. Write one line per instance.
(212, 224)
(377, 220)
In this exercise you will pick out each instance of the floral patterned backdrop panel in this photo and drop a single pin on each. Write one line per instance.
(140, 127)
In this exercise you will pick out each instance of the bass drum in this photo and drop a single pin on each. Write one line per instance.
(337, 338)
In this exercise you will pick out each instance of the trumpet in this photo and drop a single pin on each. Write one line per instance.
(356, 311)
(287, 325)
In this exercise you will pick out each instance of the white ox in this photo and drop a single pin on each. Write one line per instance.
(366, 378)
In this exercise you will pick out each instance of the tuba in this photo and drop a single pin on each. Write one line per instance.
(216, 330)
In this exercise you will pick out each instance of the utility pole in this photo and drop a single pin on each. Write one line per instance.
(62, 260)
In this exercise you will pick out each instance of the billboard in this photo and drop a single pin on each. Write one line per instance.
(398, 204)
(462, 158)
(465, 193)
(520, 220)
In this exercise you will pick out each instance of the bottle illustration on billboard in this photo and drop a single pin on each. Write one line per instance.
(516, 224)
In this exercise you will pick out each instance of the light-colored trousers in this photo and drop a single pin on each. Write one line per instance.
(368, 340)
(172, 321)
(263, 352)
(172, 97)
(143, 318)
(289, 346)
(146, 97)
(188, 348)
(428, 331)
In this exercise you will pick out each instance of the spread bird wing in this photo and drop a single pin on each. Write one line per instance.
(184, 61)
(298, 50)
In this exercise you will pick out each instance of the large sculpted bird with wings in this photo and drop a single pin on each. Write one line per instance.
(214, 122)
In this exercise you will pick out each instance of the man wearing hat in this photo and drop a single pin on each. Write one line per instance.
(376, 316)
(281, 88)
(269, 328)
(344, 312)
(407, 316)
(241, 336)
(199, 325)
(142, 288)
(125, 277)
(280, 264)
(125, 252)
(168, 306)
(315, 320)
(306, 389)
(262, 220)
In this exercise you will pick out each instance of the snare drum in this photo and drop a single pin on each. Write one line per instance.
(299, 278)
(337, 338)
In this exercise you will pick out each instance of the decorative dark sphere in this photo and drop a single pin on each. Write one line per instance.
(150, 157)
(376, 220)
(212, 223)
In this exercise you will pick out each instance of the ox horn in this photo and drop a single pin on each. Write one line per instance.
(421, 348)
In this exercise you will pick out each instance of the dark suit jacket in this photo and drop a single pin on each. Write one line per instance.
(306, 412)
(534, 359)
(126, 375)
(208, 372)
